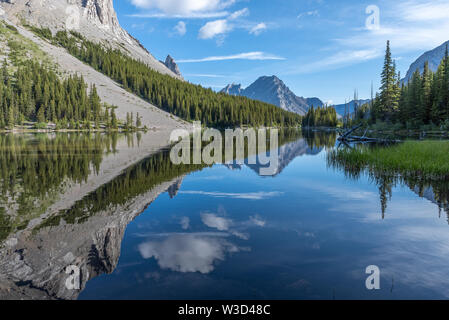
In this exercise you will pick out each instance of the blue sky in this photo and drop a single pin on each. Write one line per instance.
(319, 48)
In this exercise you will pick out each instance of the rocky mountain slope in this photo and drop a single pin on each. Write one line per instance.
(273, 90)
(99, 25)
(95, 19)
(434, 58)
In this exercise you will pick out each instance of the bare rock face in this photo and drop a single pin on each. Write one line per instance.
(94, 19)
(101, 10)
(171, 64)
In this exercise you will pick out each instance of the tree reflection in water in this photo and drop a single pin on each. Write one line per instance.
(430, 187)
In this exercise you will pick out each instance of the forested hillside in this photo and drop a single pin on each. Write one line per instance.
(31, 90)
(423, 101)
(34, 93)
(188, 101)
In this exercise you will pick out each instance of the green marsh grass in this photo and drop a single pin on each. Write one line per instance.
(425, 159)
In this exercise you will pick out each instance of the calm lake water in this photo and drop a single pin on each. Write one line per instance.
(224, 232)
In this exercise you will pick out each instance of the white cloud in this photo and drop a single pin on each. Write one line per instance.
(428, 11)
(181, 28)
(195, 15)
(350, 56)
(183, 7)
(219, 28)
(213, 221)
(313, 13)
(246, 196)
(188, 252)
(185, 223)
(241, 13)
(258, 29)
(338, 60)
(240, 56)
(256, 220)
(214, 28)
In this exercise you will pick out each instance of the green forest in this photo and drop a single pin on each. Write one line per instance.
(320, 117)
(183, 99)
(423, 102)
(35, 93)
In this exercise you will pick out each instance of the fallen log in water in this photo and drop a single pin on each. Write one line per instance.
(366, 139)
(347, 133)
(348, 138)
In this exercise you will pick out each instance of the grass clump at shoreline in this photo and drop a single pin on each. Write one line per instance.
(426, 159)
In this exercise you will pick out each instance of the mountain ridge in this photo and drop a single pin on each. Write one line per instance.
(434, 57)
(273, 90)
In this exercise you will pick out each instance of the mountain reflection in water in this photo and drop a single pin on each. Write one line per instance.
(218, 233)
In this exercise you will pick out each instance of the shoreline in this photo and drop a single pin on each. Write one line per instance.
(20, 131)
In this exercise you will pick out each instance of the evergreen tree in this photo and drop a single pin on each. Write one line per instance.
(138, 121)
(389, 95)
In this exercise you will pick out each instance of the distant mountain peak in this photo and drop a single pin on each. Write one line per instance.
(170, 63)
(271, 89)
(233, 89)
(273, 78)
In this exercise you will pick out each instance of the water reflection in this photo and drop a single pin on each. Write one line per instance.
(189, 252)
(434, 190)
(35, 252)
(159, 230)
(34, 169)
(294, 144)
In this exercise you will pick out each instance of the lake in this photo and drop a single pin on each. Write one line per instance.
(161, 231)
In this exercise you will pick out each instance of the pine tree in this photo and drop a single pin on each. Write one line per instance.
(4, 73)
(11, 117)
(138, 121)
(389, 95)
(113, 119)
(426, 95)
(445, 86)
